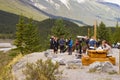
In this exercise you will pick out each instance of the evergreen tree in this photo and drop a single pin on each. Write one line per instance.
(19, 41)
(27, 36)
(102, 32)
(110, 33)
(31, 37)
(117, 33)
(59, 29)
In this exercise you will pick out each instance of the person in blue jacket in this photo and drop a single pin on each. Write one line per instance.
(92, 43)
(70, 44)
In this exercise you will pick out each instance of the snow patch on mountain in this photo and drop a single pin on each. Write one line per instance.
(50, 1)
(40, 6)
(57, 6)
(80, 1)
(66, 3)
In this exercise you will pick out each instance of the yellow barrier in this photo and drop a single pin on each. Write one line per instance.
(96, 55)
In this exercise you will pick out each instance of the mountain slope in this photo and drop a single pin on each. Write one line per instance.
(21, 7)
(85, 11)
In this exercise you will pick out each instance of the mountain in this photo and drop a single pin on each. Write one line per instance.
(21, 7)
(8, 23)
(83, 12)
(9, 17)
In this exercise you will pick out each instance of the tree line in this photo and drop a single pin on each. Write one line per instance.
(28, 37)
(108, 33)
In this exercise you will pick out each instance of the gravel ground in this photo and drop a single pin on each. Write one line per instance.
(83, 74)
(68, 74)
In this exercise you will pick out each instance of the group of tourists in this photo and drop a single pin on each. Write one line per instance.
(99, 45)
(80, 45)
(62, 44)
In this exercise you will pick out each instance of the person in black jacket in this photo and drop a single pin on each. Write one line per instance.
(52, 42)
(80, 46)
(55, 43)
(62, 44)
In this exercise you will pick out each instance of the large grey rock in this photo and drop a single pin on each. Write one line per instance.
(95, 67)
(108, 67)
(74, 64)
(46, 54)
(49, 54)
(102, 67)
(61, 61)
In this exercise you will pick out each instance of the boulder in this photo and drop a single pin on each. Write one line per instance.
(61, 61)
(95, 67)
(49, 54)
(102, 67)
(108, 67)
(74, 64)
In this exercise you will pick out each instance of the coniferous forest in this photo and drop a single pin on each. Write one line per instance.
(8, 22)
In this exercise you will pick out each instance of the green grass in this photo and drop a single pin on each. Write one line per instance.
(5, 58)
(17, 7)
(6, 61)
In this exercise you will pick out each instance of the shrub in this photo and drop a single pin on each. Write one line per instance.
(42, 70)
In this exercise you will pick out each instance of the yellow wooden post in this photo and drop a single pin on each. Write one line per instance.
(95, 30)
(88, 32)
